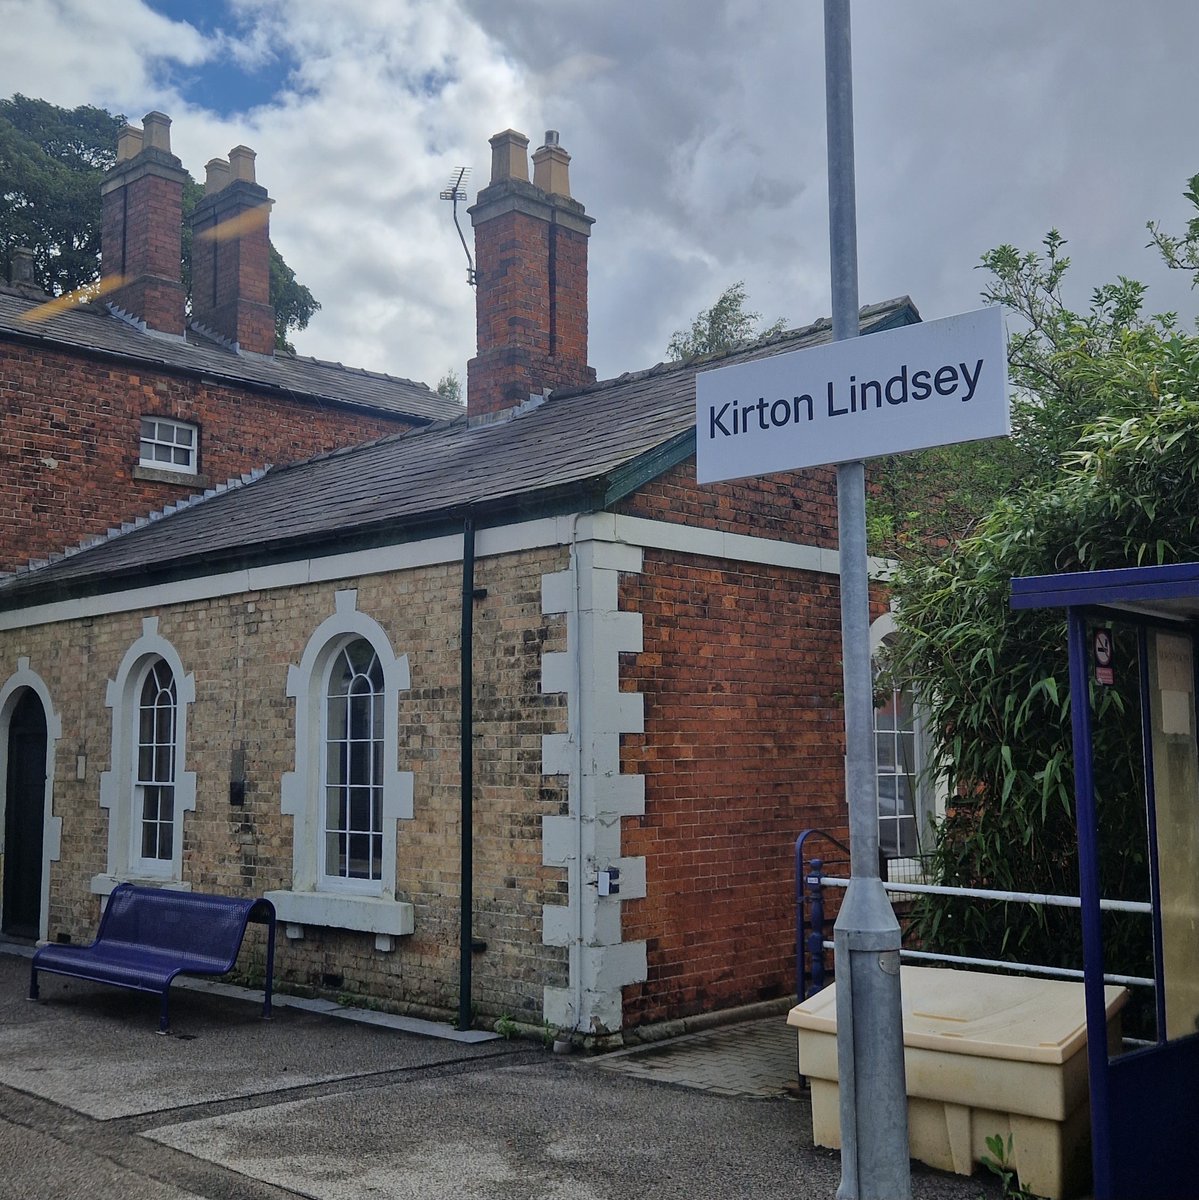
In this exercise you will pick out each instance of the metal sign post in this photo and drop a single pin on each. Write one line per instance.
(874, 1113)
(895, 391)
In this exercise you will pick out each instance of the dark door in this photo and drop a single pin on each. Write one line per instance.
(24, 808)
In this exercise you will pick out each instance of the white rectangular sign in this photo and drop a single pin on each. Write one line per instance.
(929, 384)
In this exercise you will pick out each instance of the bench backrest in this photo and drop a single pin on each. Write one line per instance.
(191, 923)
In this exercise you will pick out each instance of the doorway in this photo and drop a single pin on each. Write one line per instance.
(24, 818)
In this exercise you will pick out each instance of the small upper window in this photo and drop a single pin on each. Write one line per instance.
(169, 445)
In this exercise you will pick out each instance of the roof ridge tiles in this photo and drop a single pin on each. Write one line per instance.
(113, 532)
(681, 365)
(326, 362)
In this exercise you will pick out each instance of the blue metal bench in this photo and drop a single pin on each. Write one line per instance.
(149, 935)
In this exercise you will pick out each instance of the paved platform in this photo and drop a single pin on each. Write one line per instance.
(95, 1103)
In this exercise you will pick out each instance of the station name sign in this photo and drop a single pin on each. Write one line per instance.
(930, 384)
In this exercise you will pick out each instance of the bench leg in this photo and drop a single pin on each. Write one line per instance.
(270, 969)
(33, 983)
(164, 1023)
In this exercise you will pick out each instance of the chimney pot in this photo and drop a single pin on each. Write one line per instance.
(509, 156)
(156, 131)
(241, 163)
(551, 166)
(216, 175)
(129, 142)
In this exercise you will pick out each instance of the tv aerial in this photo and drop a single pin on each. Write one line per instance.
(455, 191)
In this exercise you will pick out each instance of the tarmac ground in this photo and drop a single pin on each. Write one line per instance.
(95, 1103)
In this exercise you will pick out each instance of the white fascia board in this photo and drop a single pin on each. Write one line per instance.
(623, 532)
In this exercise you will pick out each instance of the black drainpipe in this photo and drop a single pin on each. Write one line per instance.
(465, 1017)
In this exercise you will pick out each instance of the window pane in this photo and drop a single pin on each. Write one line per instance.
(907, 753)
(149, 429)
(886, 796)
(888, 838)
(360, 715)
(907, 836)
(183, 435)
(903, 794)
(334, 857)
(335, 766)
(884, 750)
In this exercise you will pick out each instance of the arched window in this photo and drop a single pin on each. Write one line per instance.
(347, 793)
(352, 787)
(153, 824)
(147, 789)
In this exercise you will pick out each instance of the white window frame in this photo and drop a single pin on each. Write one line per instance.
(119, 790)
(315, 898)
(326, 880)
(156, 865)
(190, 466)
(928, 805)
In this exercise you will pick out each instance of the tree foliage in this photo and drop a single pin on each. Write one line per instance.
(51, 163)
(450, 386)
(726, 324)
(1106, 435)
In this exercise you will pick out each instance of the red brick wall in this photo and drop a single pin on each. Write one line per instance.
(141, 234)
(531, 311)
(231, 270)
(743, 745)
(799, 506)
(69, 442)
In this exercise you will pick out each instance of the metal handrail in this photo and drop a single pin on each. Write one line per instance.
(809, 885)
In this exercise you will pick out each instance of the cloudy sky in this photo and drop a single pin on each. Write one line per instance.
(696, 129)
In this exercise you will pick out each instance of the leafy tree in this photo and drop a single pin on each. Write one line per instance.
(450, 386)
(1106, 427)
(51, 163)
(726, 324)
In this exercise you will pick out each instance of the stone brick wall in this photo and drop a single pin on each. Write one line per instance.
(238, 649)
(69, 442)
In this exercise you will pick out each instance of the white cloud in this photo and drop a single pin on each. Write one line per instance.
(697, 135)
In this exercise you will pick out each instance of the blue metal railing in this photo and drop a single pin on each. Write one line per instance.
(810, 931)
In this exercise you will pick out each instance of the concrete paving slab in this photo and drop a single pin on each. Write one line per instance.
(96, 1050)
(32, 1157)
(554, 1130)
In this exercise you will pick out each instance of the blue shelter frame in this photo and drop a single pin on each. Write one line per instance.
(1144, 1103)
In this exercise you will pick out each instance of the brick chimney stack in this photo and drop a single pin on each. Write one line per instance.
(231, 264)
(141, 205)
(531, 294)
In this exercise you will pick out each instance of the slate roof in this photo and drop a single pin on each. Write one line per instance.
(585, 446)
(92, 329)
